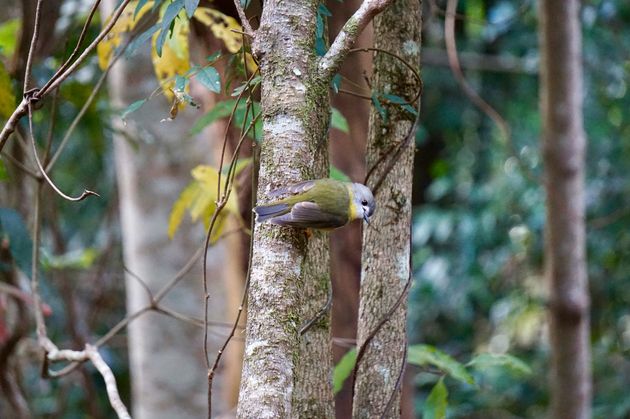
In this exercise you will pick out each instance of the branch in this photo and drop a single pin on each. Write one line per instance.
(59, 77)
(244, 22)
(330, 63)
(110, 381)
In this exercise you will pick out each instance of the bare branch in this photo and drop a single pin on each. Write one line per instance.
(42, 171)
(31, 51)
(244, 22)
(330, 63)
(110, 382)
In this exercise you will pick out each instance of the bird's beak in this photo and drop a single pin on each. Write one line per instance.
(366, 218)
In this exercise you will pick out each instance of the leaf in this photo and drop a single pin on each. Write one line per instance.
(379, 108)
(343, 369)
(132, 108)
(174, 58)
(436, 403)
(190, 6)
(226, 29)
(141, 39)
(179, 207)
(505, 361)
(428, 355)
(397, 100)
(13, 229)
(7, 97)
(132, 14)
(337, 174)
(209, 77)
(200, 199)
(8, 36)
(339, 121)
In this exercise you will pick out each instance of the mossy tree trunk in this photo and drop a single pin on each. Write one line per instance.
(564, 143)
(285, 374)
(386, 242)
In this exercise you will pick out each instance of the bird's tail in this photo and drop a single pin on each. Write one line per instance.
(266, 212)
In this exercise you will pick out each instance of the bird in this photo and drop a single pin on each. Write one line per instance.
(320, 204)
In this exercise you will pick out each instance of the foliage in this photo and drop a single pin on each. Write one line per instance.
(200, 198)
(479, 216)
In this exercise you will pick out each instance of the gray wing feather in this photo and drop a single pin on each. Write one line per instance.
(309, 215)
(292, 189)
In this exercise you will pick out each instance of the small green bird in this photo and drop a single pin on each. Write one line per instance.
(322, 204)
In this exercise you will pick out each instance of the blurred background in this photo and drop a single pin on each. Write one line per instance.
(477, 225)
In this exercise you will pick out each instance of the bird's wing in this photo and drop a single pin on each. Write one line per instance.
(294, 189)
(310, 215)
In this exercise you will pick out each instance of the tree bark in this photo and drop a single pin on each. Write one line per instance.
(386, 242)
(563, 143)
(285, 375)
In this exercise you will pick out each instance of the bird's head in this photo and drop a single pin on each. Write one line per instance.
(363, 200)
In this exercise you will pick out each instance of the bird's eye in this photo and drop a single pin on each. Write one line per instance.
(364, 202)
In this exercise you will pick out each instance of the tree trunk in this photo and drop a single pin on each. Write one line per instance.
(282, 372)
(387, 242)
(563, 145)
(165, 353)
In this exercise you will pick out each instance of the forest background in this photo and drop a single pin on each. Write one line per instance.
(478, 294)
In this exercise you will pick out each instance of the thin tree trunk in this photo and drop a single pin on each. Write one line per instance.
(285, 375)
(564, 145)
(386, 242)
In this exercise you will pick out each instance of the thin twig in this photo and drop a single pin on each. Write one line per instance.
(42, 171)
(475, 98)
(31, 50)
(77, 118)
(66, 73)
(363, 348)
(74, 53)
(244, 22)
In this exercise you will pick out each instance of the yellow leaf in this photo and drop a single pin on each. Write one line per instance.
(7, 97)
(179, 207)
(221, 26)
(208, 177)
(175, 59)
(200, 198)
(125, 23)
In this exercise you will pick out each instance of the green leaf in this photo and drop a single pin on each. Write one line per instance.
(209, 77)
(397, 100)
(220, 110)
(180, 83)
(435, 405)
(343, 369)
(428, 355)
(141, 39)
(505, 361)
(191, 6)
(339, 121)
(170, 14)
(379, 108)
(337, 174)
(12, 227)
(132, 108)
